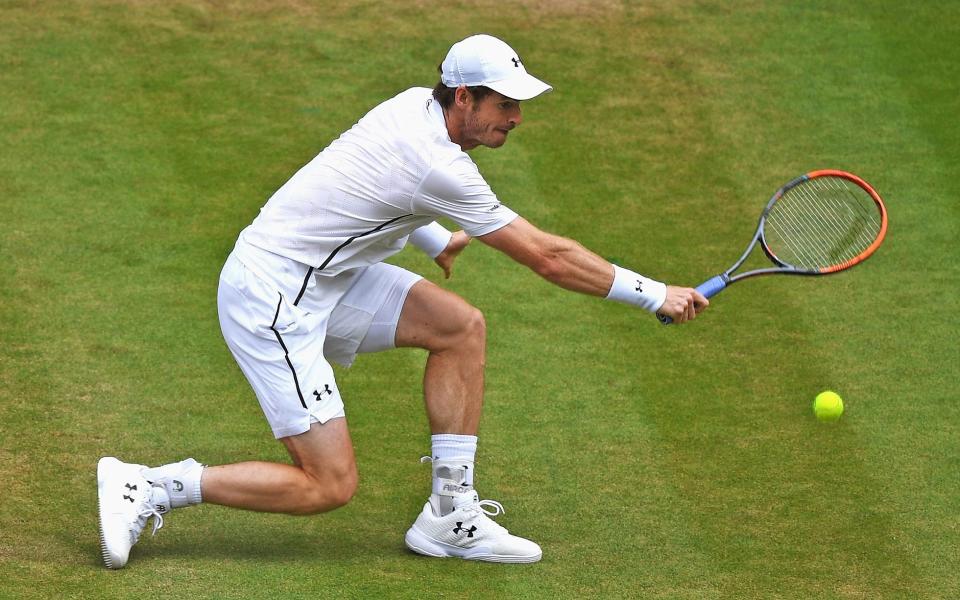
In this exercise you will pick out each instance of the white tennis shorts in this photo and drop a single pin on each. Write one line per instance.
(283, 323)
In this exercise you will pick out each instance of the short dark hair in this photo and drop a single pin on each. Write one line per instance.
(445, 95)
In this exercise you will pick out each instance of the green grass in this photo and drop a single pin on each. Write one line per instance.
(648, 461)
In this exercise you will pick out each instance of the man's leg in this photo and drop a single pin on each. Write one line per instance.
(454, 332)
(454, 522)
(323, 475)
(279, 348)
(278, 345)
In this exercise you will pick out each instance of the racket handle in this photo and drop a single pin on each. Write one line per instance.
(708, 288)
(713, 286)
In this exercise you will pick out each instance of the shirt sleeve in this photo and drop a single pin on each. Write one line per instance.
(458, 191)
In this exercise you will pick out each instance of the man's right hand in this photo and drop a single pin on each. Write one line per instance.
(683, 304)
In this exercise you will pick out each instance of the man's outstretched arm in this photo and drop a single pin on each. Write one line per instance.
(568, 264)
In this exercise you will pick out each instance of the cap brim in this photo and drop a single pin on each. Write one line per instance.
(522, 87)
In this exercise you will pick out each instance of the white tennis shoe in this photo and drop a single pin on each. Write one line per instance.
(126, 502)
(468, 532)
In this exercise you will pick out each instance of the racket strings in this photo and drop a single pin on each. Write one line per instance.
(822, 222)
(836, 198)
(821, 227)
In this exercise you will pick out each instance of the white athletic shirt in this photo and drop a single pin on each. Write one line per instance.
(356, 202)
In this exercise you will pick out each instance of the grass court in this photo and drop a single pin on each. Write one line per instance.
(648, 462)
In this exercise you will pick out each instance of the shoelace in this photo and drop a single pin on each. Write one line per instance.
(157, 519)
(147, 510)
(498, 508)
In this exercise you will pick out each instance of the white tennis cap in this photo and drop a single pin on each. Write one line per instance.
(485, 60)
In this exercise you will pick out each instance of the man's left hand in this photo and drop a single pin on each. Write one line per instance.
(456, 245)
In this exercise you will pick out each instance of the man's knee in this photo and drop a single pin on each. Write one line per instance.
(465, 332)
(474, 326)
(440, 321)
(329, 492)
(342, 490)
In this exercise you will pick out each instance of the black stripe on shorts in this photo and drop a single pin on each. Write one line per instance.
(286, 353)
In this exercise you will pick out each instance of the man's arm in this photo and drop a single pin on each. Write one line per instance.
(559, 260)
(568, 264)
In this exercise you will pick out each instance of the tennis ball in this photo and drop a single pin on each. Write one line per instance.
(828, 406)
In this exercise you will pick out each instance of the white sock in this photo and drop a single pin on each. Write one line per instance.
(181, 482)
(453, 457)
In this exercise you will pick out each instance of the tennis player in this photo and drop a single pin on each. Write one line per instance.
(306, 285)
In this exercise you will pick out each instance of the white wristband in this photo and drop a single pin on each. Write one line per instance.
(432, 239)
(632, 288)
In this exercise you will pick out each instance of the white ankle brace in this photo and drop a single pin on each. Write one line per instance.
(456, 451)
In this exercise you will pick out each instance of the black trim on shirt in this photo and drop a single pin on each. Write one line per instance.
(303, 288)
(324, 264)
(306, 279)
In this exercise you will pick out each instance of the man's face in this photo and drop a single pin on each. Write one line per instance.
(488, 121)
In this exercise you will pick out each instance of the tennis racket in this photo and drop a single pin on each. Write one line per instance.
(820, 223)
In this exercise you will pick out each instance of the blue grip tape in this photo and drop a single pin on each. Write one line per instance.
(712, 287)
(708, 288)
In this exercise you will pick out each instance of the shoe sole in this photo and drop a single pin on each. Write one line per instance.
(101, 471)
(423, 544)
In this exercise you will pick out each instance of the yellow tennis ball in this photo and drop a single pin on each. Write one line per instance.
(828, 406)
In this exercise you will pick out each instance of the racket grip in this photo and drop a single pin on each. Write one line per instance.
(713, 286)
(708, 288)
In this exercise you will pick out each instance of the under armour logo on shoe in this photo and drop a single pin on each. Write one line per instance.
(639, 286)
(130, 498)
(130, 487)
(326, 390)
(460, 528)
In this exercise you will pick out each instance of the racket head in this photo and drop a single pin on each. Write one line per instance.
(823, 222)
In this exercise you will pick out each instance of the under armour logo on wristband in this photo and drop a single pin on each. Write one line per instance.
(460, 528)
(636, 289)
